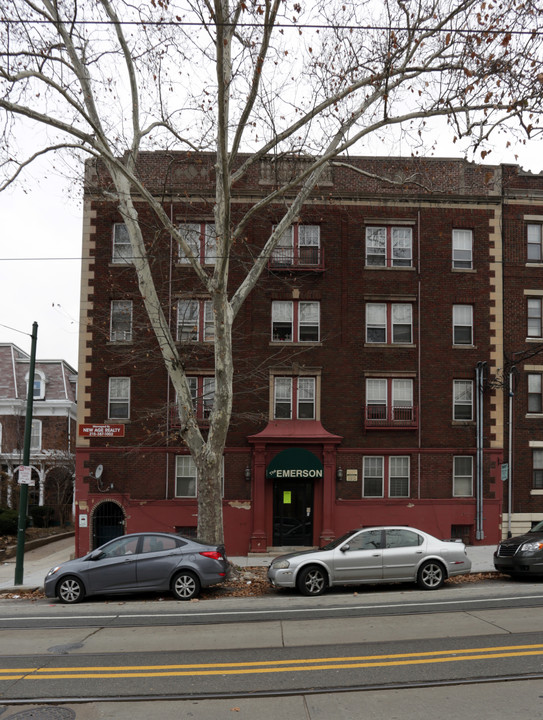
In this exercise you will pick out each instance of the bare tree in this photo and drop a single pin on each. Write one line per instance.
(271, 79)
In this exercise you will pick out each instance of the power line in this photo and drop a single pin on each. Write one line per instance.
(282, 26)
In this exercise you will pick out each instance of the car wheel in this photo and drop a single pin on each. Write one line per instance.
(312, 581)
(70, 590)
(185, 585)
(431, 575)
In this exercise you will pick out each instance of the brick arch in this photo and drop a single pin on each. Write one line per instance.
(107, 521)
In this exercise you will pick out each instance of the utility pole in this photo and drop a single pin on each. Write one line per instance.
(23, 495)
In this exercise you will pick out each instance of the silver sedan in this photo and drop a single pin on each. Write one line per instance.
(373, 555)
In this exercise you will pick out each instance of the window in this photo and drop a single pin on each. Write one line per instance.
(534, 243)
(462, 324)
(122, 250)
(299, 245)
(202, 390)
(195, 321)
(35, 436)
(399, 537)
(202, 240)
(463, 399)
(389, 246)
(534, 317)
(462, 241)
(295, 321)
(398, 478)
(375, 469)
(186, 476)
(159, 543)
(119, 398)
(538, 470)
(389, 323)
(38, 386)
(389, 399)
(535, 404)
(294, 398)
(463, 476)
(121, 321)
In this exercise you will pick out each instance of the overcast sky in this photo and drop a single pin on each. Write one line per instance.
(40, 258)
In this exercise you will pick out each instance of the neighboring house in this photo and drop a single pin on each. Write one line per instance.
(52, 441)
(369, 358)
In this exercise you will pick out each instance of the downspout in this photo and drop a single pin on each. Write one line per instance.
(479, 374)
(419, 354)
(168, 383)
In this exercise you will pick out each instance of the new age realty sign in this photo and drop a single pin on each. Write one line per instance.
(295, 464)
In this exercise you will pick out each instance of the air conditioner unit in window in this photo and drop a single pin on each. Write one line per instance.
(121, 335)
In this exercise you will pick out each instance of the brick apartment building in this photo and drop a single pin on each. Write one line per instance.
(370, 358)
(52, 443)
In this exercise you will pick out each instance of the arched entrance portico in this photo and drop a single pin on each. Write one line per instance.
(293, 491)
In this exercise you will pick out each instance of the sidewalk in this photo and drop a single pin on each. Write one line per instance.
(39, 561)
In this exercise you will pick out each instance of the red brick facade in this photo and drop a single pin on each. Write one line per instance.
(385, 365)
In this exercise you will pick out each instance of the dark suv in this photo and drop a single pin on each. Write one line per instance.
(521, 555)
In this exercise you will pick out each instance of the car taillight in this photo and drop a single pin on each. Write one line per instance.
(213, 554)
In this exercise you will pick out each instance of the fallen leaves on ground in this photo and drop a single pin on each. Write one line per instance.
(250, 582)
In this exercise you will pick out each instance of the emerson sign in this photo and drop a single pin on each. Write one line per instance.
(295, 463)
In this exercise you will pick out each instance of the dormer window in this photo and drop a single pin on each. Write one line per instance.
(38, 388)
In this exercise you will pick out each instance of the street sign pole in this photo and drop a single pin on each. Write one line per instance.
(23, 495)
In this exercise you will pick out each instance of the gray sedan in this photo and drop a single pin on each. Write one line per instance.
(373, 555)
(158, 562)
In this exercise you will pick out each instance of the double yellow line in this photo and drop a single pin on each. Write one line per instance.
(273, 666)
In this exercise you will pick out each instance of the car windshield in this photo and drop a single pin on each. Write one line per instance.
(334, 543)
(537, 528)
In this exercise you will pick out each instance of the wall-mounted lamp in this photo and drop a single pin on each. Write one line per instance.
(247, 473)
(339, 473)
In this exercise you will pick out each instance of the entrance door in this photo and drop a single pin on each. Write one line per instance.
(108, 523)
(292, 513)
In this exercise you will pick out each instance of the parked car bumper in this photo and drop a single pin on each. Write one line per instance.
(281, 578)
(519, 565)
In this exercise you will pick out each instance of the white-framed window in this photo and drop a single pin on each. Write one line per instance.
(295, 321)
(462, 249)
(121, 321)
(202, 390)
(186, 477)
(389, 246)
(462, 476)
(119, 398)
(535, 403)
(398, 476)
(294, 398)
(195, 321)
(537, 477)
(298, 245)
(376, 467)
(462, 324)
(35, 436)
(389, 323)
(463, 399)
(389, 399)
(535, 240)
(122, 250)
(202, 241)
(38, 386)
(534, 317)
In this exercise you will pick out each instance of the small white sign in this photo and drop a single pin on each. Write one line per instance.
(83, 520)
(25, 475)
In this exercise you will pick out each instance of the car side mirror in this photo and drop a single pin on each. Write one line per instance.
(345, 548)
(96, 555)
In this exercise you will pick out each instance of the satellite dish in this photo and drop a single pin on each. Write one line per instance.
(98, 472)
